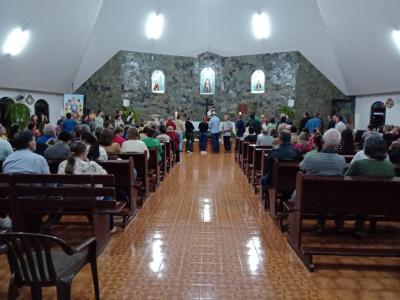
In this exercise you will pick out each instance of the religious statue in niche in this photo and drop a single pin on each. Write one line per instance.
(158, 82)
(389, 103)
(258, 82)
(207, 81)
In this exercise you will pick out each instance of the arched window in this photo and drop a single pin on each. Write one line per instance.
(4, 103)
(378, 114)
(207, 81)
(42, 108)
(258, 82)
(158, 82)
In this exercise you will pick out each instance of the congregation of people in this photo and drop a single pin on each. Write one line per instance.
(80, 145)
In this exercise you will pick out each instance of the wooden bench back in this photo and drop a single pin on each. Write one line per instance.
(122, 171)
(5, 194)
(153, 162)
(284, 175)
(140, 160)
(348, 195)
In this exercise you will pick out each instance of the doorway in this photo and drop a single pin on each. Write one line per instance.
(42, 108)
(4, 103)
(378, 114)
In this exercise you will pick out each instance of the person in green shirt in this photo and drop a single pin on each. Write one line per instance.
(152, 142)
(375, 165)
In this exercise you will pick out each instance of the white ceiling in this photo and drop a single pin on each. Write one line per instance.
(347, 40)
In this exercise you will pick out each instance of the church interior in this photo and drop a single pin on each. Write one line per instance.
(199, 149)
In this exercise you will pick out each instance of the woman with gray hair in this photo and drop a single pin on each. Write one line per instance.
(376, 165)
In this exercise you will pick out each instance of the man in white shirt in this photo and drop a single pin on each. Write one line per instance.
(134, 144)
(340, 124)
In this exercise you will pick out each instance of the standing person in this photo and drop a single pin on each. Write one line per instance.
(99, 121)
(180, 127)
(171, 123)
(174, 136)
(340, 124)
(214, 126)
(189, 136)
(304, 121)
(118, 121)
(271, 126)
(240, 127)
(254, 122)
(130, 119)
(331, 121)
(203, 135)
(69, 124)
(227, 129)
(314, 123)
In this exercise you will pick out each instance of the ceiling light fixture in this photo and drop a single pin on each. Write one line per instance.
(154, 26)
(396, 37)
(16, 41)
(261, 26)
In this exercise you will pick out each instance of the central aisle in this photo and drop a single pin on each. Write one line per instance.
(202, 235)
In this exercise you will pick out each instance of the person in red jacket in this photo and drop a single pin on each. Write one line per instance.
(174, 136)
(171, 123)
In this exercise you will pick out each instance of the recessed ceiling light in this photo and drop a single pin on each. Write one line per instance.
(396, 37)
(154, 26)
(261, 26)
(16, 41)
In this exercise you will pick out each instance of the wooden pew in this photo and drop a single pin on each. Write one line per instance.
(239, 152)
(168, 156)
(123, 171)
(154, 169)
(243, 155)
(142, 169)
(164, 162)
(250, 159)
(346, 196)
(257, 170)
(281, 187)
(35, 195)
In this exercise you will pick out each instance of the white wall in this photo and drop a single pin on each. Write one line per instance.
(55, 101)
(363, 109)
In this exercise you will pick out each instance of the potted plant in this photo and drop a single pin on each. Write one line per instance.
(127, 110)
(18, 113)
(287, 110)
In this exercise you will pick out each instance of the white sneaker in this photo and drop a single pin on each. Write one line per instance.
(203, 152)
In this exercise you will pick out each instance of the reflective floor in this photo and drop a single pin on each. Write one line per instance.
(203, 235)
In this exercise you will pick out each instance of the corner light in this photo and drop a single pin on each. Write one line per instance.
(396, 37)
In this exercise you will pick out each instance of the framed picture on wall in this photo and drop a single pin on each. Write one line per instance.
(258, 82)
(158, 82)
(207, 81)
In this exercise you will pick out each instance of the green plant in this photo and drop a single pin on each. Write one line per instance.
(127, 110)
(287, 110)
(18, 113)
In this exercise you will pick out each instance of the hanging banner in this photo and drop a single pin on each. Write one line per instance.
(73, 104)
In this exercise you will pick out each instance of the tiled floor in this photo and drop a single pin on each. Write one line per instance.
(203, 235)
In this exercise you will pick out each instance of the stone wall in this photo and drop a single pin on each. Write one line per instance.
(314, 92)
(127, 75)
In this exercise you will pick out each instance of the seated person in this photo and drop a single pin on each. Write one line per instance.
(78, 163)
(264, 139)
(96, 152)
(152, 142)
(5, 149)
(134, 144)
(394, 152)
(361, 155)
(303, 145)
(48, 133)
(375, 165)
(346, 145)
(106, 142)
(251, 137)
(117, 138)
(23, 160)
(284, 152)
(60, 150)
(163, 136)
(326, 163)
